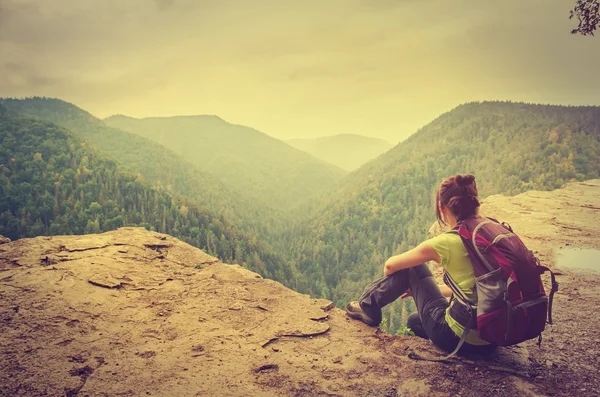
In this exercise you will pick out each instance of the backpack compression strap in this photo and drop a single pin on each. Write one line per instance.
(544, 269)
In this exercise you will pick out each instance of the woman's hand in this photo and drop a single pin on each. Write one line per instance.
(445, 290)
(407, 294)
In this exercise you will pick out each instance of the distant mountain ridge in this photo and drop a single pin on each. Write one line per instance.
(153, 162)
(347, 151)
(247, 160)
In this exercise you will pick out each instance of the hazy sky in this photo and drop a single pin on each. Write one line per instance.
(296, 68)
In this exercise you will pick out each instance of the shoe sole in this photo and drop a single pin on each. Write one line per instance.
(360, 316)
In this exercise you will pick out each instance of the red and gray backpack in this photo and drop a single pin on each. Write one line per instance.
(512, 305)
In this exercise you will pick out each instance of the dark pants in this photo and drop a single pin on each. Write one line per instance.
(430, 320)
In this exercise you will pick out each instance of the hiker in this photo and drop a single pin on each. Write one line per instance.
(437, 319)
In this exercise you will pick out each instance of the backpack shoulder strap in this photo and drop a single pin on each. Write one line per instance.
(453, 285)
(458, 293)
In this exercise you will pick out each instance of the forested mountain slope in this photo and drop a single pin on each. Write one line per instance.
(154, 163)
(386, 206)
(246, 160)
(53, 183)
(347, 151)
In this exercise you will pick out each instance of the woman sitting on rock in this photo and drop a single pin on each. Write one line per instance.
(408, 275)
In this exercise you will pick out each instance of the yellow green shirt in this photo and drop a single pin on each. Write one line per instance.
(455, 260)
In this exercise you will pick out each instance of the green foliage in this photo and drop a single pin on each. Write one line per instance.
(152, 162)
(384, 324)
(52, 184)
(403, 330)
(347, 151)
(397, 313)
(587, 13)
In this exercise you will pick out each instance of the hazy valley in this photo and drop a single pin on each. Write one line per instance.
(347, 151)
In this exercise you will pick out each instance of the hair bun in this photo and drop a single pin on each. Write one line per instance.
(464, 180)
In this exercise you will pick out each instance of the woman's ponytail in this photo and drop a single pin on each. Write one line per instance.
(459, 194)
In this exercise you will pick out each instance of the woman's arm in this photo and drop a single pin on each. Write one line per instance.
(422, 253)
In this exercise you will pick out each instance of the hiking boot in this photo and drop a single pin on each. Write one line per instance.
(355, 311)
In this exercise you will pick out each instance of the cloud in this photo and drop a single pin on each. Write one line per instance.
(18, 76)
(164, 4)
(378, 67)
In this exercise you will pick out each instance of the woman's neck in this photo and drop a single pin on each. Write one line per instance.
(451, 220)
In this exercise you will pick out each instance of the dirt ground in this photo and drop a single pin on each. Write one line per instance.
(131, 312)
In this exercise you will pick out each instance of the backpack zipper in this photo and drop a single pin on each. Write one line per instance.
(508, 317)
(498, 238)
(501, 236)
(534, 302)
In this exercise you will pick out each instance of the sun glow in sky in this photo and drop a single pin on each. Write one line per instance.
(291, 68)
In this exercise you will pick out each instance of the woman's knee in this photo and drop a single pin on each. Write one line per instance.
(416, 326)
(413, 321)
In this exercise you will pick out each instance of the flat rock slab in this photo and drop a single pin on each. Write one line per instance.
(104, 280)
